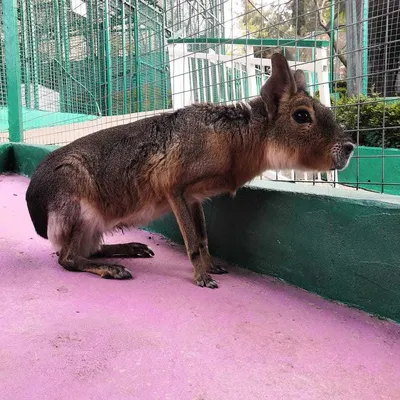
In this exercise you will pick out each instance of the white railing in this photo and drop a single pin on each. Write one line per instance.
(207, 76)
(201, 76)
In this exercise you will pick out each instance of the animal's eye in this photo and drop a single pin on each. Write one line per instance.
(302, 117)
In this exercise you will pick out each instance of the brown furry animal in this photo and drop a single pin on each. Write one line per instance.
(131, 174)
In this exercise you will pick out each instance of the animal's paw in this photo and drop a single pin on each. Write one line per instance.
(115, 271)
(128, 250)
(206, 281)
(139, 250)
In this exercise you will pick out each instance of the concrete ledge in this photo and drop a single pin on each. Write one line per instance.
(342, 245)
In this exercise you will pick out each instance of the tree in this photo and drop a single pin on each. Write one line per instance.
(298, 15)
(267, 21)
(294, 18)
(323, 11)
(383, 46)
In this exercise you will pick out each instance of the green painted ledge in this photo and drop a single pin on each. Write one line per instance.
(340, 244)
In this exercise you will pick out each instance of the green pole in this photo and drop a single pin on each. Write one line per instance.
(65, 53)
(99, 40)
(92, 44)
(34, 54)
(13, 70)
(365, 48)
(124, 67)
(108, 56)
(26, 62)
(131, 29)
(139, 95)
(84, 68)
(223, 26)
(306, 43)
(151, 74)
(313, 82)
(332, 47)
(57, 41)
(163, 61)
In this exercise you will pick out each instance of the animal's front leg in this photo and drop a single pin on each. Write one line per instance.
(192, 242)
(201, 229)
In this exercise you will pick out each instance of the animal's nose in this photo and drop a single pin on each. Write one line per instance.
(348, 148)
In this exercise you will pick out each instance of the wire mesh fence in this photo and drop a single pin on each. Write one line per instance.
(3, 84)
(90, 64)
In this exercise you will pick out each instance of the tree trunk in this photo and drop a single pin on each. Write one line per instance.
(298, 16)
(384, 46)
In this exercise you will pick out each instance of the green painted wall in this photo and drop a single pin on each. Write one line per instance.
(342, 245)
(28, 157)
(5, 156)
(372, 169)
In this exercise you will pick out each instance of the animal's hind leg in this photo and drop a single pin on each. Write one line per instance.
(75, 248)
(124, 250)
(81, 264)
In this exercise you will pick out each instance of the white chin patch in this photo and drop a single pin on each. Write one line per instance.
(277, 158)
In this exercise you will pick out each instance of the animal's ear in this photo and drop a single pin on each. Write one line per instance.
(300, 79)
(281, 83)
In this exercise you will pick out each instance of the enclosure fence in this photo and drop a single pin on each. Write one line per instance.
(72, 67)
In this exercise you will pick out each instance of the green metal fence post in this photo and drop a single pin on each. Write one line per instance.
(99, 40)
(365, 49)
(93, 46)
(13, 70)
(130, 52)
(124, 66)
(332, 47)
(163, 54)
(139, 95)
(57, 40)
(65, 53)
(34, 53)
(25, 58)
(108, 56)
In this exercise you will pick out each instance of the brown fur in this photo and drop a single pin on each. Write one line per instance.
(130, 175)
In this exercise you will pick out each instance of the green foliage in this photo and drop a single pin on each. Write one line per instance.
(369, 115)
(268, 21)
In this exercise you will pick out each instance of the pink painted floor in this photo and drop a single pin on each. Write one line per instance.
(75, 336)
